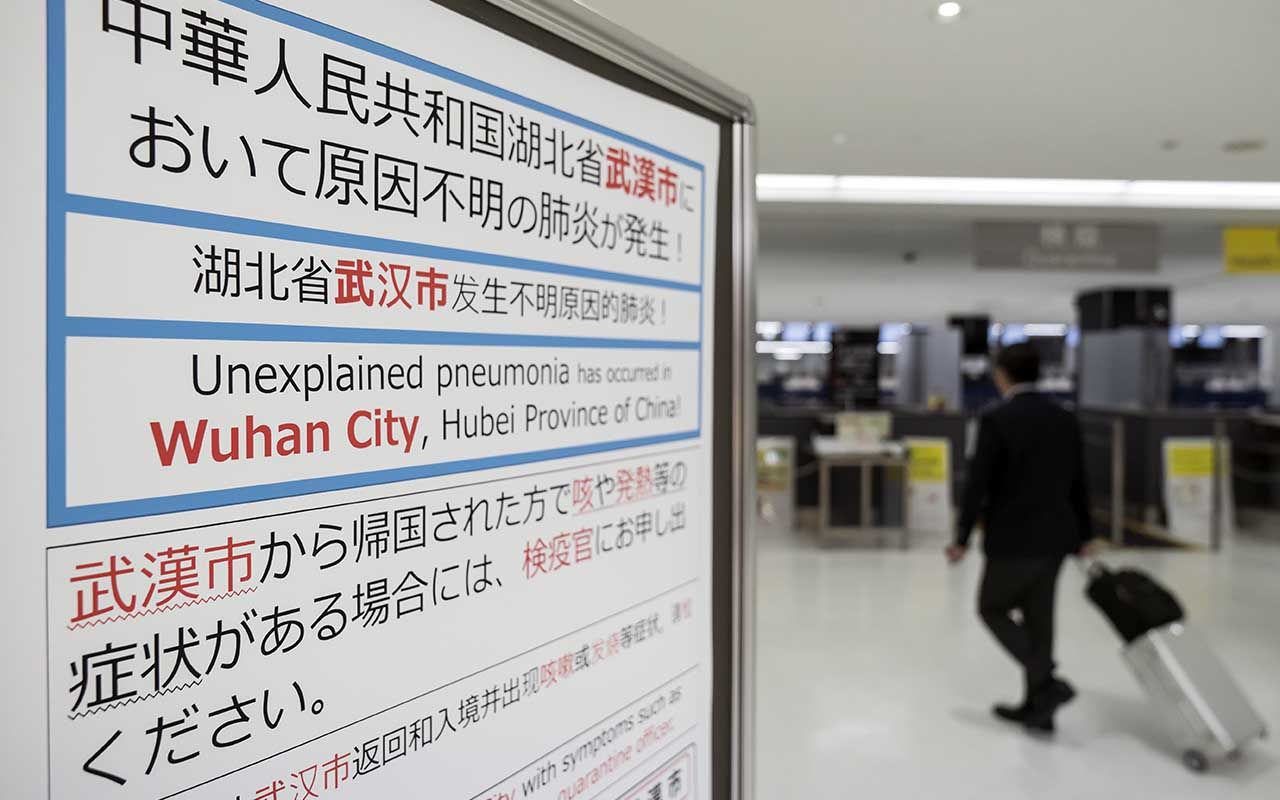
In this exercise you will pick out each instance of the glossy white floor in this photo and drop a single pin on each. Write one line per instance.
(875, 679)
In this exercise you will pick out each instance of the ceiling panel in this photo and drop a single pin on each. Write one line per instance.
(1018, 88)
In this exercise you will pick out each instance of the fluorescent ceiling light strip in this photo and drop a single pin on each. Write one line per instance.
(800, 348)
(916, 190)
(1244, 331)
(768, 329)
(1044, 329)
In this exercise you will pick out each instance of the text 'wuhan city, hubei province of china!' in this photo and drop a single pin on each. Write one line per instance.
(409, 425)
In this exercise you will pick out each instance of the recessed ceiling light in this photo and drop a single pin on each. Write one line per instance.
(949, 10)
(1244, 145)
(839, 138)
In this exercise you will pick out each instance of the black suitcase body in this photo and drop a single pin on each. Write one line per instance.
(1132, 600)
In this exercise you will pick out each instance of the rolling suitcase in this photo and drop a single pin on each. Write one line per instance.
(1202, 705)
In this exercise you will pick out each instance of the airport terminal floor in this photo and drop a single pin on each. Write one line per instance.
(899, 675)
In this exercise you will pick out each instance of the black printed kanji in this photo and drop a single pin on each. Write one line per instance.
(178, 655)
(588, 157)
(142, 22)
(342, 170)
(554, 217)
(524, 141)
(464, 299)
(444, 189)
(214, 46)
(103, 671)
(395, 184)
(343, 79)
(635, 232)
(486, 130)
(486, 202)
(313, 287)
(282, 73)
(450, 116)
(410, 595)
(371, 535)
(372, 599)
(584, 224)
(410, 527)
(397, 99)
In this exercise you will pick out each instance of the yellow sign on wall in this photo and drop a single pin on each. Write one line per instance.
(1190, 459)
(928, 461)
(773, 468)
(1251, 251)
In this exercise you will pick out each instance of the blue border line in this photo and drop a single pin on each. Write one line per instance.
(295, 20)
(58, 326)
(702, 247)
(101, 327)
(126, 509)
(55, 258)
(204, 220)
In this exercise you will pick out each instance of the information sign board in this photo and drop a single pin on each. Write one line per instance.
(364, 441)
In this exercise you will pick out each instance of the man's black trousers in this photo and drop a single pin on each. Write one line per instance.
(1027, 586)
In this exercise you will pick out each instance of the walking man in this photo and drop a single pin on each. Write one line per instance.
(1026, 481)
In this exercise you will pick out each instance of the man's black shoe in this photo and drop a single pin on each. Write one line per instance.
(1037, 714)
(1039, 724)
(1010, 713)
(1060, 692)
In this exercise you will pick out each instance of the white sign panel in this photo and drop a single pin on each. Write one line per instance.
(929, 485)
(376, 414)
(1190, 467)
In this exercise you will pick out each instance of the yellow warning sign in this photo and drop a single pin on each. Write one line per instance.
(1190, 460)
(928, 461)
(773, 468)
(1251, 251)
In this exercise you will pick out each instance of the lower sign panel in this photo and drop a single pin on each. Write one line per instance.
(379, 640)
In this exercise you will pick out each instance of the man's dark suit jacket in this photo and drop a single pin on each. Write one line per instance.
(1027, 481)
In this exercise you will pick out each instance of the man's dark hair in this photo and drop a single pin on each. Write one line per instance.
(1020, 362)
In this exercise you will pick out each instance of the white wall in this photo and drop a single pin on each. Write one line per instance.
(855, 274)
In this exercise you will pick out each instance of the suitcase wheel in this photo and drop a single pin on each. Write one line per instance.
(1195, 760)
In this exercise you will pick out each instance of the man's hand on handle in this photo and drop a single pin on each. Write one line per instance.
(956, 553)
